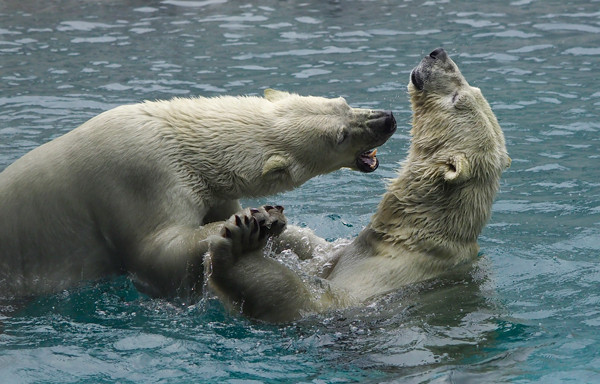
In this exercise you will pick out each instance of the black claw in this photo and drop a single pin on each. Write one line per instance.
(268, 207)
(279, 208)
(263, 233)
(254, 210)
(255, 226)
(227, 233)
(238, 221)
(246, 220)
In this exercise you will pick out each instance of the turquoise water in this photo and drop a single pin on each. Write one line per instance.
(530, 312)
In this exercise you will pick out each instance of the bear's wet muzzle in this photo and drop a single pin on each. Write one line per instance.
(382, 122)
(383, 125)
(420, 73)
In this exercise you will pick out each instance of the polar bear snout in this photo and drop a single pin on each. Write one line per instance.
(389, 124)
(381, 126)
(439, 54)
(437, 73)
(382, 122)
(419, 75)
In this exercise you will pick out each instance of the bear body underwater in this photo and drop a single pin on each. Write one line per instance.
(426, 224)
(135, 189)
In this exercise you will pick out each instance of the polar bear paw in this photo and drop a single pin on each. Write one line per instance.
(250, 229)
(245, 232)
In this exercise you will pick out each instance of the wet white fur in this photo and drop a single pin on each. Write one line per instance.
(133, 189)
(430, 217)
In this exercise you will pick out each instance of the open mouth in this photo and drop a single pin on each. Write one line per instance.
(367, 161)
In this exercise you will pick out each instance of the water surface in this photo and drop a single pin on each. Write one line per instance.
(529, 313)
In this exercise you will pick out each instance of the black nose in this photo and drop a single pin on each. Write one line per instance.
(439, 54)
(382, 122)
(390, 122)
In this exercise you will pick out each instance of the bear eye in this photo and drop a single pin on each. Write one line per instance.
(342, 136)
(454, 97)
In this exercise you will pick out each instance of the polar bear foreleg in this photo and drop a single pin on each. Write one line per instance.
(248, 281)
(169, 262)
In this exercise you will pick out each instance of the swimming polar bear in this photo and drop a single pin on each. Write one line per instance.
(135, 189)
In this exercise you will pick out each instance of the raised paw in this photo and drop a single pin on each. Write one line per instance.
(249, 229)
(270, 219)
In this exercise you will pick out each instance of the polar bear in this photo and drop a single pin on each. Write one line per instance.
(426, 224)
(135, 189)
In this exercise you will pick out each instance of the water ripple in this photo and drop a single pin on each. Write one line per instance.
(521, 206)
(192, 3)
(297, 52)
(531, 48)
(582, 51)
(76, 25)
(567, 27)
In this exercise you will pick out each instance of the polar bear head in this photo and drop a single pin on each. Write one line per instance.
(268, 145)
(338, 135)
(454, 129)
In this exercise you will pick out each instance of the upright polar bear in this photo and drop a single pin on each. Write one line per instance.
(134, 189)
(426, 224)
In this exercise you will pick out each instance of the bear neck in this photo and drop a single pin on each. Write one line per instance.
(422, 214)
(210, 148)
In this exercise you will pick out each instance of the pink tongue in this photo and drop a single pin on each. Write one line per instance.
(368, 159)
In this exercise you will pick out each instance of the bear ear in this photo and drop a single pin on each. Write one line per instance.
(458, 169)
(275, 164)
(274, 95)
